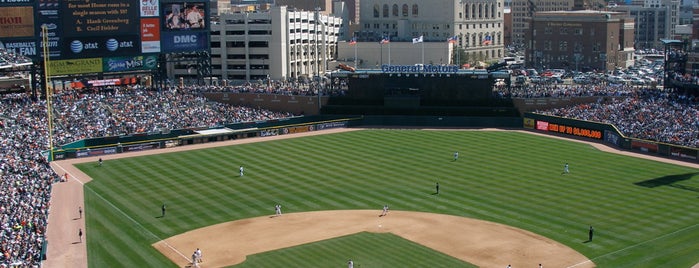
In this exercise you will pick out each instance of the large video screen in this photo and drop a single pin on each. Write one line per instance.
(184, 26)
(184, 16)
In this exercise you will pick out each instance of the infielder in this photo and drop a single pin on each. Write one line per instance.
(385, 210)
(278, 210)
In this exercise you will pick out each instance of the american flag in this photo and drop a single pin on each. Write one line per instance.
(487, 40)
(453, 39)
(385, 40)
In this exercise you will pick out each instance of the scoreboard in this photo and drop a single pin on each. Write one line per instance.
(103, 33)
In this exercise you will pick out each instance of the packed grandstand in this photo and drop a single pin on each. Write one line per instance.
(646, 113)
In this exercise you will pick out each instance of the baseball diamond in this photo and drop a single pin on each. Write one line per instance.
(496, 208)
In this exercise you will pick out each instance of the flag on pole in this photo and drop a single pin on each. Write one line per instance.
(417, 40)
(385, 40)
(487, 40)
(353, 41)
(453, 39)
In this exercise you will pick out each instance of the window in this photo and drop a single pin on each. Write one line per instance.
(563, 46)
(547, 44)
(492, 11)
(466, 11)
(563, 30)
(578, 47)
(473, 11)
(578, 31)
(385, 10)
(415, 11)
(480, 11)
(486, 11)
(547, 30)
(595, 47)
(376, 11)
(405, 10)
(394, 10)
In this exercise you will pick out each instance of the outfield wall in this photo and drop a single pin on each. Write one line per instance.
(552, 125)
(180, 137)
(608, 134)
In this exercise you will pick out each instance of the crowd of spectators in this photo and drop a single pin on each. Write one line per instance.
(121, 111)
(566, 91)
(25, 187)
(26, 181)
(298, 88)
(650, 114)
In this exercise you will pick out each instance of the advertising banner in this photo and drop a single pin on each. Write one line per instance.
(101, 46)
(528, 123)
(644, 146)
(150, 35)
(184, 41)
(135, 63)
(612, 137)
(95, 152)
(26, 47)
(683, 153)
(16, 21)
(575, 131)
(48, 15)
(141, 147)
(76, 66)
(331, 125)
(150, 8)
(301, 129)
(542, 125)
(16, 1)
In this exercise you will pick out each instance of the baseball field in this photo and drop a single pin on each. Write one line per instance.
(332, 188)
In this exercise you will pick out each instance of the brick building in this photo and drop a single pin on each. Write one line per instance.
(581, 40)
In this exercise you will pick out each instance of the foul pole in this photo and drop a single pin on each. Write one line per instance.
(49, 96)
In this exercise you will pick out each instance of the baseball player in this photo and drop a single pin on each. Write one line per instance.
(199, 257)
(456, 156)
(385, 210)
(278, 210)
(241, 170)
(194, 260)
(565, 169)
(350, 264)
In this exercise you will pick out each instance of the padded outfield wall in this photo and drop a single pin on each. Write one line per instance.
(608, 134)
(552, 125)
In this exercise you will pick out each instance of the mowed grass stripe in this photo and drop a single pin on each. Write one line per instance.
(507, 177)
(111, 234)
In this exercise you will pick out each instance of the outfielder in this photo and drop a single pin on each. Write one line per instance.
(241, 171)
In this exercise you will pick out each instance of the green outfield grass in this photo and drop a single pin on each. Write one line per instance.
(645, 213)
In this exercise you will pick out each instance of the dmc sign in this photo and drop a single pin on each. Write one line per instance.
(184, 39)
